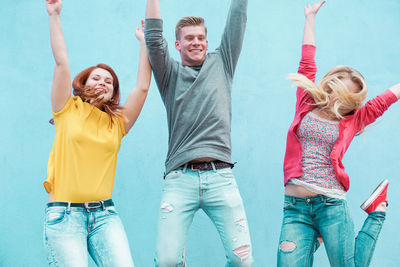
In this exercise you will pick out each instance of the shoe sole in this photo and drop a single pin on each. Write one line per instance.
(374, 195)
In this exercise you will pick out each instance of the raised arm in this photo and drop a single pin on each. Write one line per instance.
(157, 46)
(153, 9)
(310, 11)
(61, 89)
(232, 38)
(307, 66)
(136, 98)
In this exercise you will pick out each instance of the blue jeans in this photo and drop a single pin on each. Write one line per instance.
(305, 218)
(216, 192)
(69, 233)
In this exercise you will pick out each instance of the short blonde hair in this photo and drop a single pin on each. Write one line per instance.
(188, 21)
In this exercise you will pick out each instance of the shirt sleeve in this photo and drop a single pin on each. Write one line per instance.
(121, 126)
(66, 107)
(159, 57)
(232, 38)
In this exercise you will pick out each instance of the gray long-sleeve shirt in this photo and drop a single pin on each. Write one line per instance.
(198, 99)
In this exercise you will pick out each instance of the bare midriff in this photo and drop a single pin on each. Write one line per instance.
(51, 199)
(298, 191)
(203, 160)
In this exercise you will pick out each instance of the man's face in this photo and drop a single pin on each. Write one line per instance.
(192, 45)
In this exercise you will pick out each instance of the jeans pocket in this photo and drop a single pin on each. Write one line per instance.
(55, 215)
(334, 202)
(226, 173)
(287, 205)
(172, 175)
(112, 211)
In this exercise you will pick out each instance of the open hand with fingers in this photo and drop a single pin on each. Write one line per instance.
(140, 33)
(312, 10)
(53, 6)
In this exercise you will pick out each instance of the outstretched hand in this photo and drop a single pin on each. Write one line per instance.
(312, 10)
(140, 33)
(53, 6)
(396, 90)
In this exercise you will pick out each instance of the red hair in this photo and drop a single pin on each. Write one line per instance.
(87, 94)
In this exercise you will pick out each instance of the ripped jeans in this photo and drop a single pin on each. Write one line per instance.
(71, 232)
(305, 218)
(216, 192)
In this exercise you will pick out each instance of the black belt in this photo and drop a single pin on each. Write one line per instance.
(90, 205)
(207, 166)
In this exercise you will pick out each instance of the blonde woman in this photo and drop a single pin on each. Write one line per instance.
(328, 116)
(80, 216)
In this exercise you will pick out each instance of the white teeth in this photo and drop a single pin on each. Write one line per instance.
(100, 90)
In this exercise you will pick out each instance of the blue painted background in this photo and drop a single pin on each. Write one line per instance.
(363, 34)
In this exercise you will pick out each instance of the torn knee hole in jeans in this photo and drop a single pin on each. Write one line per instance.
(166, 207)
(287, 246)
(242, 252)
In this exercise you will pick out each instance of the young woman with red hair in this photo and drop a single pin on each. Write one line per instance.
(80, 215)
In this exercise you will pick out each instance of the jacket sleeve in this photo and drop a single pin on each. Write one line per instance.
(308, 68)
(373, 109)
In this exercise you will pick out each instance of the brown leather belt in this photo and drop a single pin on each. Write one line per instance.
(207, 166)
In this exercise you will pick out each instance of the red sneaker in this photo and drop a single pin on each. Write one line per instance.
(377, 197)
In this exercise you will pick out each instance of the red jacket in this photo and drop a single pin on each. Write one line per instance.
(349, 126)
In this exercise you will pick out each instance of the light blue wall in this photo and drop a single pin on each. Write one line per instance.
(363, 34)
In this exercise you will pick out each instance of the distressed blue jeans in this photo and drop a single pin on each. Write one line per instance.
(69, 233)
(186, 191)
(305, 218)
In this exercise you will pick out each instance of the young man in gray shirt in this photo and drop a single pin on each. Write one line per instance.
(197, 96)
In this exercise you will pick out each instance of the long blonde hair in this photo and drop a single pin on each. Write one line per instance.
(343, 101)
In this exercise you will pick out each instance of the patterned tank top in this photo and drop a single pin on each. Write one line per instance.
(317, 137)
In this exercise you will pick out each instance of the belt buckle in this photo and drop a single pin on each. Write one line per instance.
(92, 205)
(201, 166)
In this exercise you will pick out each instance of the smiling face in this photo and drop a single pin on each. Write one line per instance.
(102, 82)
(192, 45)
